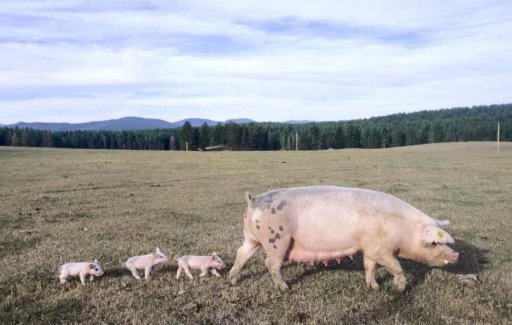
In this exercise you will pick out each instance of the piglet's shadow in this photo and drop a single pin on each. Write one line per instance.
(120, 271)
(116, 272)
(471, 260)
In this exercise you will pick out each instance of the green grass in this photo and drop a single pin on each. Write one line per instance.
(58, 206)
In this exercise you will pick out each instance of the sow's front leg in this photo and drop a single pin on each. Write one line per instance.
(390, 263)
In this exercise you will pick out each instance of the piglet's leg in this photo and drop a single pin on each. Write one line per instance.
(134, 271)
(178, 273)
(187, 271)
(91, 278)
(204, 271)
(82, 278)
(62, 277)
(147, 271)
(214, 272)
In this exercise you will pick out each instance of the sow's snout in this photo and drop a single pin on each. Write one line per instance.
(452, 258)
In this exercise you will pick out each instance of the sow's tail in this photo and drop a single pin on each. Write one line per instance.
(248, 198)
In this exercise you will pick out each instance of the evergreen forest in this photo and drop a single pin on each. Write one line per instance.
(447, 125)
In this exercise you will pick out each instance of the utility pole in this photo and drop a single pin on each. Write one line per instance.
(186, 145)
(498, 138)
(296, 141)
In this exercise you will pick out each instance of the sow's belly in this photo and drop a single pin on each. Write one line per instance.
(323, 234)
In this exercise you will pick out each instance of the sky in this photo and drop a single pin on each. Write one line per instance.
(329, 60)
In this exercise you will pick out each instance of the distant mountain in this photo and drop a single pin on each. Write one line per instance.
(241, 120)
(125, 123)
(195, 122)
(298, 122)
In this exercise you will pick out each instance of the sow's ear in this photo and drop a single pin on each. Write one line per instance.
(434, 235)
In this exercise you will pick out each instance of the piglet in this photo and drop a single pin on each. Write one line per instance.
(212, 262)
(81, 269)
(145, 262)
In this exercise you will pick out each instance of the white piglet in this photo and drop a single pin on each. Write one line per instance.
(81, 269)
(145, 262)
(212, 262)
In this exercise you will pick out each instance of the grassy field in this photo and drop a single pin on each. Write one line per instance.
(72, 205)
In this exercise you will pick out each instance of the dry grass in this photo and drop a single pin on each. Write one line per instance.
(71, 205)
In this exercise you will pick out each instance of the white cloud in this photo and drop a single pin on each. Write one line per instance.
(263, 60)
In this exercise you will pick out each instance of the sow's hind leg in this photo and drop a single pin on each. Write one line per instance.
(277, 248)
(244, 253)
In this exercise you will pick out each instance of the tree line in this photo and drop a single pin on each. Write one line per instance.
(447, 125)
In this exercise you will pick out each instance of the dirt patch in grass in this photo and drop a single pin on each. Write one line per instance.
(15, 244)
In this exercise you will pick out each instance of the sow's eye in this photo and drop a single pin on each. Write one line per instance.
(96, 269)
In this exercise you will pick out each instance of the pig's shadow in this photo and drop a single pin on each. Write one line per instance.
(116, 272)
(121, 271)
(472, 260)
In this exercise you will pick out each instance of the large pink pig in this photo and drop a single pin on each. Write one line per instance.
(322, 223)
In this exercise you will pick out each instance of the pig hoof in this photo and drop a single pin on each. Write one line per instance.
(283, 286)
(233, 278)
(373, 285)
(400, 289)
(400, 283)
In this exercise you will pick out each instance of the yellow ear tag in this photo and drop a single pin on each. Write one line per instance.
(440, 234)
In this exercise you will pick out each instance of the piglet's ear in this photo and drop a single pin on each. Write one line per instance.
(95, 261)
(92, 266)
(434, 235)
(158, 250)
(212, 257)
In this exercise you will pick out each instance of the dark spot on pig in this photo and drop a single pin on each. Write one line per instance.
(272, 240)
(264, 202)
(282, 204)
(281, 228)
(258, 227)
(273, 211)
(257, 221)
(272, 231)
(269, 227)
(275, 246)
(278, 236)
